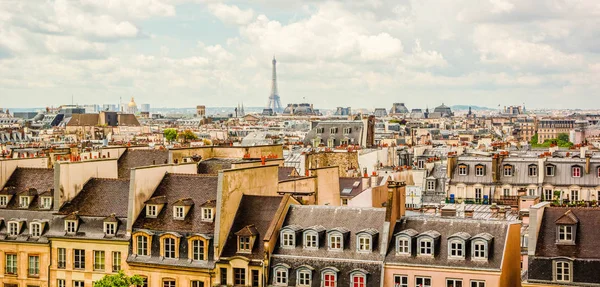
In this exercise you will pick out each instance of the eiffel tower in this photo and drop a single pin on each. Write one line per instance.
(274, 101)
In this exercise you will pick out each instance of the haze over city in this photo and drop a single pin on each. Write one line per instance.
(367, 54)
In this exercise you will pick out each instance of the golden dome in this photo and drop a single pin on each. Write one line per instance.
(132, 103)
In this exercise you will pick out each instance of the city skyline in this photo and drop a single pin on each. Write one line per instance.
(181, 54)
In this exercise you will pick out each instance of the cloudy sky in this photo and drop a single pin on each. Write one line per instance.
(177, 53)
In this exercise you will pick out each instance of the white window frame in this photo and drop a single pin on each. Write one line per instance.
(152, 210)
(403, 280)
(565, 233)
(280, 276)
(172, 248)
(479, 170)
(46, 202)
(532, 170)
(452, 282)
(338, 238)
(70, 226)
(110, 228)
(563, 266)
(179, 212)
(207, 214)
(476, 253)
(463, 170)
(460, 248)
(408, 245)
(304, 276)
(477, 283)
(198, 250)
(364, 243)
(551, 168)
(35, 229)
(13, 228)
(144, 245)
(23, 201)
(355, 275)
(576, 171)
(574, 195)
(421, 247)
(288, 239)
(329, 272)
(431, 185)
(508, 170)
(423, 278)
(3, 200)
(311, 240)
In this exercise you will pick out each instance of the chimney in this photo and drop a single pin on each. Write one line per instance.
(374, 179)
(448, 211)
(451, 164)
(469, 213)
(395, 204)
(583, 151)
(365, 183)
(587, 164)
(494, 209)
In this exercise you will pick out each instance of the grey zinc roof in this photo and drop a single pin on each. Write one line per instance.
(471, 162)
(90, 227)
(563, 172)
(28, 216)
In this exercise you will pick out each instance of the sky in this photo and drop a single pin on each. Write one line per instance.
(363, 54)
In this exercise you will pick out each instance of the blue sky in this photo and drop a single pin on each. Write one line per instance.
(369, 54)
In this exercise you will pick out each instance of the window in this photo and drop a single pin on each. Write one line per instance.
(116, 261)
(479, 170)
(462, 170)
(255, 278)
(169, 247)
(34, 266)
(565, 233)
(423, 281)
(36, 229)
(3, 200)
(532, 170)
(207, 214)
(478, 193)
(151, 210)
(576, 171)
(508, 170)
(531, 192)
(320, 130)
(597, 173)
(562, 271)
(169, 283)
(358, 280)
(506, 192)
(78, 258)
(333, 130)
(288, 239)
(550, 170)
(453, 283)
(280, 276)
(198, 250)
(475, 283)
(110, 228)
(331, 142)
(144, 282)
(456, 248)
(335, 242)
(364, 243)
(479, 250)
(344, 201)
(574, 195)
(11, 264)
(77, 283)
(421, 164)
(142, 245)
(178, 212)
(244, 243)
(548, 195)
(347, 131)
(311, 240)
(400, 281)
(71, 226)
(430, 185)
(329, 279)
(196, 283)
(425, 247)
(23, 201)
(403, 246)
(13, 228)
(98, 260)
(61, 283)
(239, 276)
(223, 276)
(61, 260)
(304, 278)
(46, 202)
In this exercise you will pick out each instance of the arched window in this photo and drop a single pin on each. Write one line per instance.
(169, 245)
(329, 278)
(358, 279)
(141, 243)
(280, 275)
(562, 271)
(36, 229)
(403, 245)
(198, 248)
(288, 238)
(425, 246)
(456, 248)
(336, 241)
(304, 275)
(311, 240)
(480, 249)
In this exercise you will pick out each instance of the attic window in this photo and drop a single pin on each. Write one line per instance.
(336, 242)
(463, 169)
(532, 170)
(288, 239)
(333, 130)
(178, 212)
(565, 234)
(46, 202)
(576, 171)
(508, 170)
(550, 170)
(364, 243)
(207, 214)
(24, 201)
(36, 229)
(480, 250)
(71, 226)
(320, 130)
(311, 240)
(426, 247)
(347, 131)
(110, 228)
(3, 200)
(13, 228)
(151, 211)
(244, 244)
(479, 170)
(431, 185)
(456, 248)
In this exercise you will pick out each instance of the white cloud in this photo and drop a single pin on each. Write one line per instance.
(72, 47)
(231, 14)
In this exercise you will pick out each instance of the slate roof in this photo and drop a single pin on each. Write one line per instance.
(89, 227)
(331, 217)
(132, 158)
(586, 238)
(27, 216)
(100, 197)
(351, 186)
(447, 227)
(32, 181)
(84, 120)
(255, 211)
(285, 172)
(214, 165)
(199, 188)
(128, 120)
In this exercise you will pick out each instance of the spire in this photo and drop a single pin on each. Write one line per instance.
(274, 100)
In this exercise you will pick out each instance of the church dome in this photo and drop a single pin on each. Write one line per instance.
(132, 103)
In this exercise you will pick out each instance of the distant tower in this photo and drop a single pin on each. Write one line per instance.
(274, 101)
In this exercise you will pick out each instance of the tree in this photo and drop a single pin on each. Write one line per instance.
(170, 134)
(188, 135)
(563, 137)
(119, 280)
(534, 140)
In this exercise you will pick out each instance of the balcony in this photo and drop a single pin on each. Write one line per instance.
(477, 200)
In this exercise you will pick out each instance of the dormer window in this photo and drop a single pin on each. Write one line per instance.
(311, 240)
(288, 239)
(426, 243)
(199, 248)
(246, 237)
(178, 213)
(565, 233)
(479, 170)
(550, 170)
(562, 271)
(23, 201)
(480, 245)
(207, 214)
(110, 228)
(457, 245)
(335, 242)
(13, 228)
(566, 227)
(152, 211)
(46, 202)
(430, 185)
(364, 243)
(426, 246)
(320, 130)
(169, 247)
(463, 169)
(404, 240)
(333, 130)
(35, 229)
(508, 170)
(532, 170)
(244, 244)
(347, 131)
(576, 171)
(3, 200)
(70, 226)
